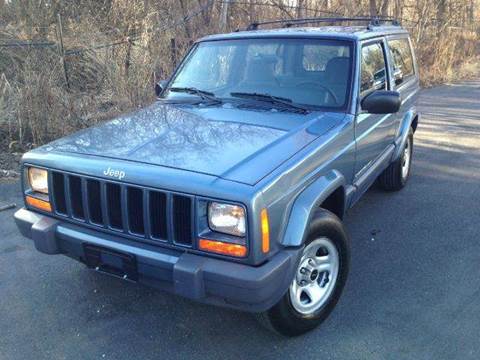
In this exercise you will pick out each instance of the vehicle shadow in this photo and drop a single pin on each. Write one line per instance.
(396, 237)
(412, 290)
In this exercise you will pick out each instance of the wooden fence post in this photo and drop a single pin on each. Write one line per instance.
(128, 55)
(173, 53)
(224, 15)
(61, 50)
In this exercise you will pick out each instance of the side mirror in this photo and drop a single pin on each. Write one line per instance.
(381, 102)
(160, 86)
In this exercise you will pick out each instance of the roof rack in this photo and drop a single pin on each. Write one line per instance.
(372, 21)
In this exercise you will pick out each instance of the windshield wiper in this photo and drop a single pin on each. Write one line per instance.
(205, 95)
(275, 100)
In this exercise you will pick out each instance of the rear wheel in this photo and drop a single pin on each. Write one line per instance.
(396, 175)
(318, 282)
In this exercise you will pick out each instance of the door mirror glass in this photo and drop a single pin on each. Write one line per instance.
(381, 102)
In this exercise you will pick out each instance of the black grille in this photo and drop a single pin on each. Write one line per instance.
(138, 212)
(77, 197)
(94, 201)
(181, 221)
(114, 206)
(58, 182)
(135, 210)
(158, 214)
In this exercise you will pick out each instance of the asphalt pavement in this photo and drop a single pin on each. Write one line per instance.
(413, 290)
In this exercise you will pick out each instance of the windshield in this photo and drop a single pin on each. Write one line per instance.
(308, 72)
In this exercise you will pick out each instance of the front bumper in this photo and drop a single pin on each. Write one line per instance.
(196, 277)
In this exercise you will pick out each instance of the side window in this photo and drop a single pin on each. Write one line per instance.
(401, 54)
(373, 73)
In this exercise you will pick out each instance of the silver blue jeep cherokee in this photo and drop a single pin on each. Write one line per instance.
(231, 188)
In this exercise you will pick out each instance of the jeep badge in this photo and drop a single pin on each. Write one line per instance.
(114, 173)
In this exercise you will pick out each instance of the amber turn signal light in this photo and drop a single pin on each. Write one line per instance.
(223, 248)
(38, 204)
(265, 231)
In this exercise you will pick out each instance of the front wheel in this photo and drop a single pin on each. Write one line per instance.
(318, 281)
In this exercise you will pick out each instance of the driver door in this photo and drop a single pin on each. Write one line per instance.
(373, 132)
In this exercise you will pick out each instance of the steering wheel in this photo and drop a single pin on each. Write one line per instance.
(329, 92)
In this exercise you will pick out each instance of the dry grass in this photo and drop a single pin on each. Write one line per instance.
(450, 57)
(36, 106)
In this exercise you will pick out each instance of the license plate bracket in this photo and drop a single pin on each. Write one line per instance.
(111, 262)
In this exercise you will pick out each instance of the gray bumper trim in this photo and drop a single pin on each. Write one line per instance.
(197, 277)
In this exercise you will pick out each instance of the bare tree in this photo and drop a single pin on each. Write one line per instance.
(441, 9)
(188, 31)
(384, 10)
(373, 8)
(116, 48)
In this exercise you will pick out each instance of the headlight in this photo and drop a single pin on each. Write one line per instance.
(226, 218)
(38, 180)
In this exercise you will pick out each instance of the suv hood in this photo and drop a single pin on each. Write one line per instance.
(234, 144)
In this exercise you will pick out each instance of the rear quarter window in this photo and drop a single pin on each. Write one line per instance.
(402, 60)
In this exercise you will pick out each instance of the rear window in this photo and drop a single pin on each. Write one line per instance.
(316, 58)
(401, 54)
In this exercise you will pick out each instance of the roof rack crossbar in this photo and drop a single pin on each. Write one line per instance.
(372, 21)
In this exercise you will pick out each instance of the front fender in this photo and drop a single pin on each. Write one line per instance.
(306, 203)
(402, 136)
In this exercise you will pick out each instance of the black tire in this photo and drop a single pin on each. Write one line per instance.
(283, 317)
(392, 178)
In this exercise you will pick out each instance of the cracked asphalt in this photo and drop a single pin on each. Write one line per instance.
(413, 290)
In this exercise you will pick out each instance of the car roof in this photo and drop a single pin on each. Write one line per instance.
(355, 33)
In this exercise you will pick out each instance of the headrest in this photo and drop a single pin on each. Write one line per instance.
(261, 68)
(337, 69)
